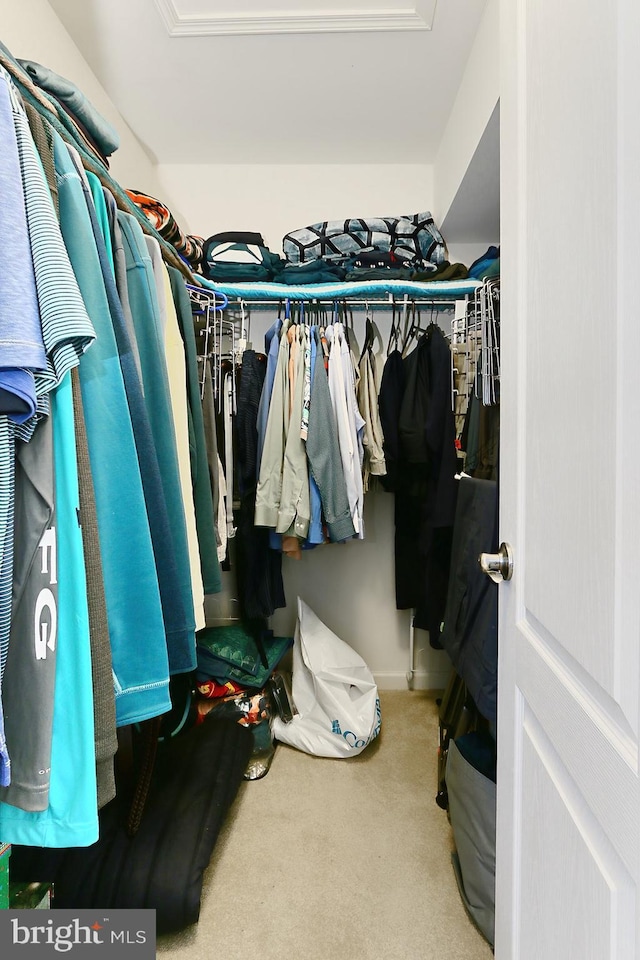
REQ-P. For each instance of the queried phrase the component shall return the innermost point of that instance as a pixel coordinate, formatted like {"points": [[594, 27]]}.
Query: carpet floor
{"points": [[338, 859]]}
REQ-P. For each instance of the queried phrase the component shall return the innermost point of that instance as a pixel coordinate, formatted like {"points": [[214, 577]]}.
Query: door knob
{"points": [[498, 566]]}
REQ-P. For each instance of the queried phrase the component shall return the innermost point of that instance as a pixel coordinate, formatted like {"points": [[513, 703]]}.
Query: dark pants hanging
{"points": [[260, 586]]}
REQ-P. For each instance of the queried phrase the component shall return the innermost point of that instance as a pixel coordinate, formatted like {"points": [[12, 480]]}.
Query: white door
{"points": [[568, 797]]}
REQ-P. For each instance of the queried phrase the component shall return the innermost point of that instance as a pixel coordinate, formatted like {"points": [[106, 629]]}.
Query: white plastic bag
{"points": [[334, 692]]}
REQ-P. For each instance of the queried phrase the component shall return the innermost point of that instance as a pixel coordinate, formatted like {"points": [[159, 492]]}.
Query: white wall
{"points": [[275, 199], [32, 31], [351, 588], [477, 97]]}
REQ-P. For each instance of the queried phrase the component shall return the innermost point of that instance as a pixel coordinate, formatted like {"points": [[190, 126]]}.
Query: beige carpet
{"points": [[338, 859]]}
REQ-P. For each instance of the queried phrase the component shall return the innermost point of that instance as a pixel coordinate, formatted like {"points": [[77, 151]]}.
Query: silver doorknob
{"points": [[498, 566]]}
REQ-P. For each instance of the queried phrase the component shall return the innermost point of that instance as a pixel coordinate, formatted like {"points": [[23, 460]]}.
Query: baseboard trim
{"points": [[422, 680]]}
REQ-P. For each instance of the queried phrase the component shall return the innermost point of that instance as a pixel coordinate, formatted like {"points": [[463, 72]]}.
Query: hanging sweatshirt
{"points": [[323, 451]]}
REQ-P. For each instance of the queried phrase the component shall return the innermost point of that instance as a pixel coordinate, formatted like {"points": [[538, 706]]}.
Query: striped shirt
{"points": [[20, 333], [66, 332], [66, 328]]}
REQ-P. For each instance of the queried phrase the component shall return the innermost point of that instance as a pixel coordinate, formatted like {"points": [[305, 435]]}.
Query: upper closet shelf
{"points": [[376, 289]]}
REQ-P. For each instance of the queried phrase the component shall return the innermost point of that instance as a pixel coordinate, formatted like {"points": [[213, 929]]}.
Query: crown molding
{"points": [[419, 16]]}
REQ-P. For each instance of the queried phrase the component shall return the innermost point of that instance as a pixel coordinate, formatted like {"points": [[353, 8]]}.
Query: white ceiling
{"points": [[310, 81]]}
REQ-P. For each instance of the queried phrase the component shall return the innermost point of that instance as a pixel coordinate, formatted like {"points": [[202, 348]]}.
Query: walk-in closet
{"points": [[318, 635]]}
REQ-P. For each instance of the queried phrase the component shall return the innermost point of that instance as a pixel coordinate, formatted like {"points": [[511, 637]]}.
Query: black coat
{"points": [[423, 441]]}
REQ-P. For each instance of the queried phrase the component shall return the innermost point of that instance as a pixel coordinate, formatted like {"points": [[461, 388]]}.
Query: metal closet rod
{"points": [[371, 302]]}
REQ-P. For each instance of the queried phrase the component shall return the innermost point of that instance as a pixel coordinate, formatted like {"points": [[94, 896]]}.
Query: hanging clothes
{"points": [[392, 387], [302, 483], [170, 542], [423, 440], [177, 378], [216, 473], [271, 342], [481, 439], [71, 815], [367, 395], [29, 680], [228, 393], [94, 541], [21, 346], [260, 587], [64, 333], [129, 566], [316, 534], [202, 495], [104, 704], [269, 490], [116, 250], [349, 422], [294, 510]]}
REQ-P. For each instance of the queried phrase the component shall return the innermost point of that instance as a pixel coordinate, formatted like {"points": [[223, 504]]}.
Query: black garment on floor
{"points": [[259, 568], [470, 634], [195, 781]]}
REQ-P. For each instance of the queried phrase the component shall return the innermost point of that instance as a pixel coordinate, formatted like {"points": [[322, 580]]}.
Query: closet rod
{"points": [[370, 302]]}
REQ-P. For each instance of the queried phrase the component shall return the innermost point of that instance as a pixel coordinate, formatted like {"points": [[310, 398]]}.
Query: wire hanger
{"points": [[369, 332], [408, 328], [394, 332]]}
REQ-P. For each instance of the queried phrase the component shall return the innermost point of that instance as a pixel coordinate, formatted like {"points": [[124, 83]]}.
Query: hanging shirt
{"points": [[351, 377], [7, 496], [66, 332], [120, 270], [271, 344], [158, 274], [104, 702], [316, 532], [202, 494], [20, 331], [374, 462], [177, 376], [323, 452], [166, 512], [66, 328], [340, 386], [228, 400], [211, 442], [269, 490], [29, 678], [306, 396], [21, 343], [141, 674], [294, 511], [71, 817], [392, 388]]}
